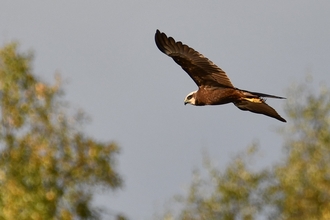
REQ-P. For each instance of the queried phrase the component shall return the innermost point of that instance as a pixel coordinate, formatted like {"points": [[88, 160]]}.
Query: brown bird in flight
{"points": [[214, 87]]}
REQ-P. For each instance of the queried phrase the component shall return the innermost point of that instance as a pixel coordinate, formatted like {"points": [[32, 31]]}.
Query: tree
{"points": [[235, 193], [298, 188], [302, 189], [48, 166]]}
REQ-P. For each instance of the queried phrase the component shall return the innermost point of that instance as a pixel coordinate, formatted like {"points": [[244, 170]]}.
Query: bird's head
{"points": [[190, 98]]}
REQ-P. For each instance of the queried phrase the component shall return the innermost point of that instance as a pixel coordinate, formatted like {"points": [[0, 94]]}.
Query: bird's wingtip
{"points": [[282, 120]]}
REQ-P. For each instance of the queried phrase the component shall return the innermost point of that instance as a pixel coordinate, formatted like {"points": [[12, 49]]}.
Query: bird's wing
{"points": [[203, 71], [258, 106], [258, 94]]}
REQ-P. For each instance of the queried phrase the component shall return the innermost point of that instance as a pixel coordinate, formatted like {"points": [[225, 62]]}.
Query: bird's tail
{"points": [[258, 107], [255, 102]]}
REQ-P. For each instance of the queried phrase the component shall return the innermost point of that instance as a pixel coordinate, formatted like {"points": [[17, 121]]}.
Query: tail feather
{"points": [[259, 108]]}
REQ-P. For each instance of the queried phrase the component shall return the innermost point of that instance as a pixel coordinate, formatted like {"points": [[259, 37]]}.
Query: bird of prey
{"points": [[214, 87]]}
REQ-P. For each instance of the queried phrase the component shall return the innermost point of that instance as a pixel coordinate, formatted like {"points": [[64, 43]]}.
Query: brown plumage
{"points": [[214, 87]]}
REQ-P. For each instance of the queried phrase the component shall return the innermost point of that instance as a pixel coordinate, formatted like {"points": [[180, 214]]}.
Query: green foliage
{"points": [[235, 193], [48, 167], [297, 188], [303, 188]]}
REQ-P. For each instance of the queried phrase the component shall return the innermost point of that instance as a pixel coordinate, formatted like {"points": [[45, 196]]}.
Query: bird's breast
{"points": [[217, 96]]}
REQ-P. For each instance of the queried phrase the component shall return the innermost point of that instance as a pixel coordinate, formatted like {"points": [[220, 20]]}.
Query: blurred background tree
{"points": [[48, 166], [302, 189], [296, 188]]}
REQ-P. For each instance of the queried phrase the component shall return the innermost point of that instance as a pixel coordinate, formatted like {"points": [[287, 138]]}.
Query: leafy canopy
{"points": [[48, 166]]}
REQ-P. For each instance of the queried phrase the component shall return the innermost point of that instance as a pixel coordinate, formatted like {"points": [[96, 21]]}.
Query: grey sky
{"points": [[134, 93]]}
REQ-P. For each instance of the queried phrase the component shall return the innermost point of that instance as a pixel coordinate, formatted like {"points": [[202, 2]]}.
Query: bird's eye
{"points": [[189, 97]]}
